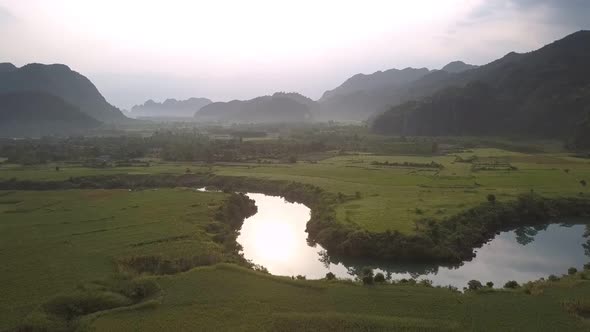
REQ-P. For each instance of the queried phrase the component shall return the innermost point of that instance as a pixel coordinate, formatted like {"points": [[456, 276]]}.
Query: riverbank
{"points": [[450, 240]]}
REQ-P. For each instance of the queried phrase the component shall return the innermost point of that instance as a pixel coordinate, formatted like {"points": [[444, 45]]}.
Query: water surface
{"points": [[275, 238]]}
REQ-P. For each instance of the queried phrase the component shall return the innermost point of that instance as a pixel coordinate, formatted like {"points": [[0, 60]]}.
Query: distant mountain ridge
{"points": [[170, 108], [362, 96], [39, 113], [60, 81], [280, 107], [543, 93], [457, 67]]}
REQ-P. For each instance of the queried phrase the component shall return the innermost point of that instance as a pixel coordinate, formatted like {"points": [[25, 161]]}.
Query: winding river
{"points": [[275, 238]]}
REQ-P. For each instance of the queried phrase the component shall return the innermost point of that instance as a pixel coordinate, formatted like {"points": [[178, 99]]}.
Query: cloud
{"points": [[566, 13], [6, 16]]}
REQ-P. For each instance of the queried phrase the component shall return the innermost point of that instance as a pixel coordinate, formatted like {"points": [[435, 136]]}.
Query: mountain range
{"points": [[62, 82], [543, 93], [280, 107], [39, 113], [170, 108], [362, 96]]}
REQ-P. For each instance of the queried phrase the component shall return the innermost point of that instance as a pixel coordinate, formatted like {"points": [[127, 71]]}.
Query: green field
{"points": [[391, 198], [55, 242], [50, 242]]}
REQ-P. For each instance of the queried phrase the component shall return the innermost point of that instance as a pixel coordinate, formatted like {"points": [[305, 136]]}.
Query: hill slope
{"points": [[280, 107], [170, 108], [544, 93], [362, 95], [37, 114], [60, 81]]}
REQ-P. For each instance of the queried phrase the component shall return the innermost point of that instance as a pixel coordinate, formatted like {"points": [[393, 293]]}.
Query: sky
{"points": [[134, 50]]}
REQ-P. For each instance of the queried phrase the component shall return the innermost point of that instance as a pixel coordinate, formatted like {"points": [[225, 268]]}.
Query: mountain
{"points": [[280, 107], [170, 108], [62, 82], [38, 114], [362, 95], [544, 93], [457, 67], [376, 81]]}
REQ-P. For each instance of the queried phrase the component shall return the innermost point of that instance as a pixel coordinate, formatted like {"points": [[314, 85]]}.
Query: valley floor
{"points": [[58, 242]]}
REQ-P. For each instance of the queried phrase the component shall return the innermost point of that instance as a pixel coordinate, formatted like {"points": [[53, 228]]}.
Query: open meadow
{"points": [[61, 241]]}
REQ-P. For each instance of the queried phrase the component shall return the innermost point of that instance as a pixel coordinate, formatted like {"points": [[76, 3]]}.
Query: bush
{"points": [[138, 289], [69, 307], [512, 284], [474, 285], [490, 284], [379, 277], [40, 321], [572, 271], [367, 280], [300, 277], [587, 266], [426, 282], [367, 271], [553, 277], [491, 198], [330, 276]]}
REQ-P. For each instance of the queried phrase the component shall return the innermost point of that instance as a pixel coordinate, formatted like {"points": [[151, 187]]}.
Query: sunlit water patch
{"points": [[275, 238]]}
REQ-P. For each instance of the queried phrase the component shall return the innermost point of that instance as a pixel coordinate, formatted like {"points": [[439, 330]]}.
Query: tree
{"points": [[491, 198], [572, 271], [330, 276], [511, 284], [379, 277], [367, 276], [490, 284], [474, 285]]}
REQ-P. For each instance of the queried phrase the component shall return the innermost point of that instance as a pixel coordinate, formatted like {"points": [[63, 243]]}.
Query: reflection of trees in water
{"points": [[355, 267], [526, 234], [587, 244]]}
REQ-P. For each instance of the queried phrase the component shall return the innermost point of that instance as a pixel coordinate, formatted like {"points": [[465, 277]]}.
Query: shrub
{"points": [[426, 282], [474, 285], [367, 271], [490, 284], [553, 277], [587, 266], [367, 280], [583, 183], [512, 284], [300, 277], [40, 321], [491, 198], [379, 277], [69, 307], [330, 276], [577, 307], [572, 271], [138, 289]]}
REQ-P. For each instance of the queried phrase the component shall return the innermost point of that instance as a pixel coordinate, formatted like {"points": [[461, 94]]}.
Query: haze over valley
{"points": [[294, 166]]}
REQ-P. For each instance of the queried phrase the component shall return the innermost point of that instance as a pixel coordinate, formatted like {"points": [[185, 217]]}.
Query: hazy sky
{"points": [[237, 49]]}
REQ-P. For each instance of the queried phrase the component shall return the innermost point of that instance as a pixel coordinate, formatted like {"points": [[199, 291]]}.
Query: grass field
{"points": [[228, 298], [50, 242], [391, 198]]}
